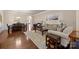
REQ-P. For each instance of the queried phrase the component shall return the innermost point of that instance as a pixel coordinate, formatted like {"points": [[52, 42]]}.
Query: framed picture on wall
{"points": [[52, 18]]}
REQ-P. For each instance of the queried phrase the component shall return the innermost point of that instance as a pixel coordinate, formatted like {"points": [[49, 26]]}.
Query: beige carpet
{"points": [[37, 39]]}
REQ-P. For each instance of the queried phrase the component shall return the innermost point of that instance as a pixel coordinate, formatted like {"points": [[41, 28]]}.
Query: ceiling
{"points": [[26, 12]]}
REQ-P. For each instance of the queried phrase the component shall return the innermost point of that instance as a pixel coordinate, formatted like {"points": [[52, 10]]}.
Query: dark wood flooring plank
{"points": [[17, 40]]}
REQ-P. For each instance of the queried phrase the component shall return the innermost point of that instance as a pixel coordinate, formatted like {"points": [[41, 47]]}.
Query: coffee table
{"points": [[40, 28]]}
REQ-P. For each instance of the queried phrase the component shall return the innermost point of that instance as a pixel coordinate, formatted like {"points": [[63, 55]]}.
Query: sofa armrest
{"points": [[61, 34]]}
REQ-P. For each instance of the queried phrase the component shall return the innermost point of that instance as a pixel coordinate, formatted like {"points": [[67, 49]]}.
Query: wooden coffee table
{"points": [[40, 28]]}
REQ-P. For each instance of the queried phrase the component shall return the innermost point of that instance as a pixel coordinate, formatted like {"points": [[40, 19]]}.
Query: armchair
{"points": [[65, 40]]}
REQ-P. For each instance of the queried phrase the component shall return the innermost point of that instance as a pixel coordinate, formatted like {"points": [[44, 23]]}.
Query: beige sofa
{"points": [[51, 26]]}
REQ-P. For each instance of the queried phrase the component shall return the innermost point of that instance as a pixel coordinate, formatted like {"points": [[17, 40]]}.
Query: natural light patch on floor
{"points": [[18, 41]]}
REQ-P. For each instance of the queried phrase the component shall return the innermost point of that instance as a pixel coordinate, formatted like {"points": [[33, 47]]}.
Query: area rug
{"points": [[37, 39]]}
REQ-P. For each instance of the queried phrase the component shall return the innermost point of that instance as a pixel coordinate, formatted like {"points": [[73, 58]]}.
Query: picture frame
{"points": [[52, 17]]}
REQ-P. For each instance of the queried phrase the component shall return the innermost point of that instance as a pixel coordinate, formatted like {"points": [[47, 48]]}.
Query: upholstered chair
{"points": [[65, 40]]}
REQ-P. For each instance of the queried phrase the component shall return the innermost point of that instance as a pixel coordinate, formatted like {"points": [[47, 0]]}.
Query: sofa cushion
{"points": [[52, 26]]}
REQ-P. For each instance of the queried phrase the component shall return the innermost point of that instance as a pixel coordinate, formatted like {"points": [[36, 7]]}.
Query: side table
{"points": [[52, 41], [74, 36]]}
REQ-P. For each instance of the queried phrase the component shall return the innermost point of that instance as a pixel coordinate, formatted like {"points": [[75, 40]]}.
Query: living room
{"points": [[21, 29]]}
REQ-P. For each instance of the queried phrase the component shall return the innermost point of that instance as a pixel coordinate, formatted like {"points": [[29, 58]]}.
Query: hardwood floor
{"points": [[16, 40]]}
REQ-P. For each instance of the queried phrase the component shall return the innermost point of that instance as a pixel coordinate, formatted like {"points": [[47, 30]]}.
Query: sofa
{"points": [[51, 26], [65, 39]]}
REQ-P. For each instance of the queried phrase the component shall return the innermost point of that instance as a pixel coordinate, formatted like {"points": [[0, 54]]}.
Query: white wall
{"points": [[10, 18], [69, 18], [43, 15], [0, 18], [2, 15], [77, 20], [66, 16]]}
